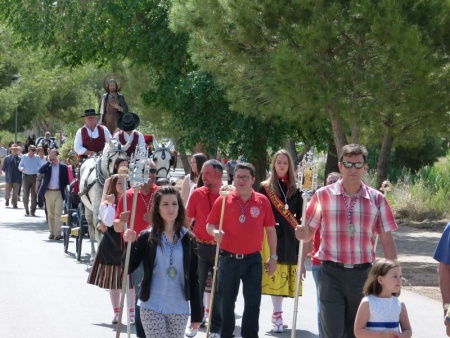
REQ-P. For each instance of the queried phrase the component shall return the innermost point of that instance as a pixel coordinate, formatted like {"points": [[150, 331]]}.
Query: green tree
{"points": [[375, 69], [182, 101]]}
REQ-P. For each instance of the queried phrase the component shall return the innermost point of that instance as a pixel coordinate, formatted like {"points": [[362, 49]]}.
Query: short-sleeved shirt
{"points": [[199, 206], [246, 237], [442, 253], [371, 216], [143, 203]]}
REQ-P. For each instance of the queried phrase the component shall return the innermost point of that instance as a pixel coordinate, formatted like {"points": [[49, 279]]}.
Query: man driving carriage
{"points": [[128, 136], [91, 138]]}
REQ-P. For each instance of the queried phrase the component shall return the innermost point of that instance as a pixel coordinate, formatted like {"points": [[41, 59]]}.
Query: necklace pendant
{"points": [[242, 218], [286, 207], [146, 217], [171, 272], [350, 230]]}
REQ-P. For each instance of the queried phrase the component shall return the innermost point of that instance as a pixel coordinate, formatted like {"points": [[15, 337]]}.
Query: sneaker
{"points": [[132, 319], [7, 203], [15, 206], [58, 237], [275, 316], [115, 318], [51, 237], [189, 332], [214, 335]]}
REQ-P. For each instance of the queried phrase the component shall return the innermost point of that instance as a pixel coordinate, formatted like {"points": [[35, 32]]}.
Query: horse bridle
{"points": [[163, 157], [111, 153]]}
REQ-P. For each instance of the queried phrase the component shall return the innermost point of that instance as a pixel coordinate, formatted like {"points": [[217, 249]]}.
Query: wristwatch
{"points": [[274, 257]]}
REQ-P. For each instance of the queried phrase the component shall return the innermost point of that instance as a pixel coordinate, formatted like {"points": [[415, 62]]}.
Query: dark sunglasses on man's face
{"points": [[357, 165], [152, 171], [33, 149]]}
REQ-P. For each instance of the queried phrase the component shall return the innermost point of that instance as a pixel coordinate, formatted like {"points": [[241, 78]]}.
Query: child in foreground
{"points": [[381, 313]]}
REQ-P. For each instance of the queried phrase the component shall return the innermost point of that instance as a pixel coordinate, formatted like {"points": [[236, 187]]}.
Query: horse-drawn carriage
{"points": [[84, 195], [75, 224]]}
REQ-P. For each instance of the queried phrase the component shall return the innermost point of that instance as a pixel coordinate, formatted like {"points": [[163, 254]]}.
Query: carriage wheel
{"points": [[79, 238], [66, 236], [67, 210]]}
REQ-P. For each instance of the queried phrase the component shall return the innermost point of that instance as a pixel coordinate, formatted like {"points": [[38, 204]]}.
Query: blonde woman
{"points": [[286, 201]]}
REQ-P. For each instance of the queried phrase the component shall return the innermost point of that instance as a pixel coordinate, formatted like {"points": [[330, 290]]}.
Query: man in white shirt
{"points": [[128, 135], [91, 138]]}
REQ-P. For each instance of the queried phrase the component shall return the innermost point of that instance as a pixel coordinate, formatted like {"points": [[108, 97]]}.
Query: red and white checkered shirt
{"points": [[371, 215]]}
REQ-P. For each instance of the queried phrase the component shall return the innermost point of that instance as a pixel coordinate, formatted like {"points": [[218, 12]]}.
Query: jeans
{"points": [[207, 254], [137, 276], [315, 271], [340, 293], [231, 272]]}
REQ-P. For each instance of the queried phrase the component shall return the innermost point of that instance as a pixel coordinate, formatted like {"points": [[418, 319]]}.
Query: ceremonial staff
{"points": [[139, 174], [307, 183], [224, 192], [386, 186]]}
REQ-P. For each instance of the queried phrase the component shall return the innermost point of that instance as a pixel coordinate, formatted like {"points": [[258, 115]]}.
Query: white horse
{"points": [[163, 157], [93, 173]]}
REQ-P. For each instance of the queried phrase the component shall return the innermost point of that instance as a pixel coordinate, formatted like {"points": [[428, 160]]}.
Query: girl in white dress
{"points": [[381, 313]]}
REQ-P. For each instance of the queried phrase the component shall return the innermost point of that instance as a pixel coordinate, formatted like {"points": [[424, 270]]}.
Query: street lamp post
{"points": [[15, 79]]}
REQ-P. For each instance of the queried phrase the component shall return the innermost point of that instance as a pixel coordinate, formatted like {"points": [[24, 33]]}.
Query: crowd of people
{"points": [[177, 235]]}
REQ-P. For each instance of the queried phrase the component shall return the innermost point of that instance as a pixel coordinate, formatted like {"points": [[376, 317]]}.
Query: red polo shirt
{"points": [[246, 237], [143, 202], [199, 207]]}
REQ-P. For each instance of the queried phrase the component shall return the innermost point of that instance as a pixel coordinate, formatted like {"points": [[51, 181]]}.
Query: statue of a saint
{"points": [[112, 104]]}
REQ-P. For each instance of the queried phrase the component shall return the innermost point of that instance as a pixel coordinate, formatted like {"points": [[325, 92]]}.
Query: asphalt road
{"points": [[44, 293]]}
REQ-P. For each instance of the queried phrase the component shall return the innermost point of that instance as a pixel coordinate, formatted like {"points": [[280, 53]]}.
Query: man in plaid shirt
{"points": [[350, 215]]}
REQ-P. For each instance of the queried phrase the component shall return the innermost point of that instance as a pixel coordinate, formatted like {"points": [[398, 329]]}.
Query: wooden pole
{"points": [[127, 262], [299, 268], [224, 193]]}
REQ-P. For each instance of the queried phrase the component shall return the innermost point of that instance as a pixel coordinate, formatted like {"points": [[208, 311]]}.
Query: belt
{"points": [[211, 242], [224, 253], [348, 266], [30, 175], [52, 189]]}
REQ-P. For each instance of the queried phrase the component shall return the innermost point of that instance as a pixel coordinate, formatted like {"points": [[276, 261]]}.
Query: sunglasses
{"points": [[33, 149], [152, 171], [357, 165]]}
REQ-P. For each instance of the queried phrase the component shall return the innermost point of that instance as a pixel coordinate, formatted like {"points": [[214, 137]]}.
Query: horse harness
{"points": [[163, 157], [100, 178]]}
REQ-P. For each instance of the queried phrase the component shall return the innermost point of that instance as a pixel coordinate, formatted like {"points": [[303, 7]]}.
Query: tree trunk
{"points": [[185, 162], [356, 126], [289, 145], [260, 163], [332, 160], [383, 159], [338, 134]]}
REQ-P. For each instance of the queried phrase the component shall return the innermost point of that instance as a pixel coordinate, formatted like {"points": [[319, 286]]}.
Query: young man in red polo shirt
{"points": [[141, 222], [247, 214], [199, 206]]}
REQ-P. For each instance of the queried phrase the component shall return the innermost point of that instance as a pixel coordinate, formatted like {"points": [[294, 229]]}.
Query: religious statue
{"points": [[112, 104]]}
